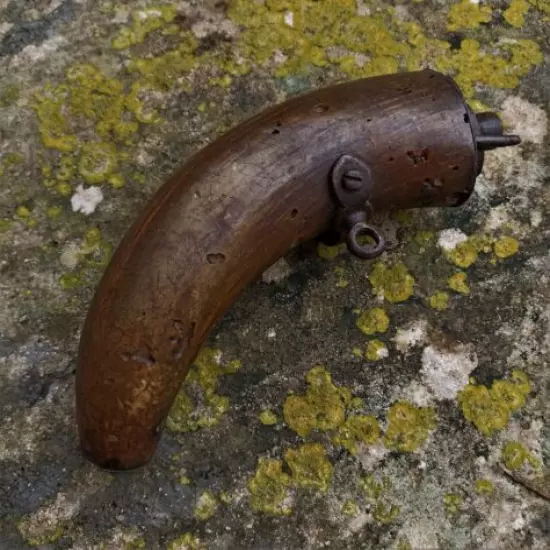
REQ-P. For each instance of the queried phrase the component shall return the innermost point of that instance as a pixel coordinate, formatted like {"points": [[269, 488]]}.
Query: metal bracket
{"points": [[352, 185]]}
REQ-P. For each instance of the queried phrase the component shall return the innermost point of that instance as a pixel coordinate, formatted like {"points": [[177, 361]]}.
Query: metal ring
{"points": [[365, 252]]}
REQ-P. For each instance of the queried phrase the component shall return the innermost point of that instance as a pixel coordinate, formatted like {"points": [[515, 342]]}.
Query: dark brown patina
{"points": [[316, 164]]}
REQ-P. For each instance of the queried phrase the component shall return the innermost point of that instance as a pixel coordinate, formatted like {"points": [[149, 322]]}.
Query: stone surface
{"points": [[402, 448]]}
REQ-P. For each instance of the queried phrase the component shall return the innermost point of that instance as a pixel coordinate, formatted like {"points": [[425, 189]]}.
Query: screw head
{"points": [[352, 180]]}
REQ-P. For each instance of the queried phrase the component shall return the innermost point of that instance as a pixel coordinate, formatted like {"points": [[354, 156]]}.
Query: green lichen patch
{"points": [[97, 162], [187, 541], [376, 350], [468, 15], [198, 405], [373, 321], [505, 247], [463, 255], [44, 537], [144, 22], [459, 283], [373, 488], [386, 513], [90, 118], [310, 467], [484, 487], [453, 503], [471, 64], [515, 455], [516, 12], [206, 507], [489, 410], [342, 281], [350, 508], [541, 5], [184, 480], [269, 488], [268, 418], [323, 407], [408, 426], [165, 70], [9, 160], [357, 430], [5, 225], [393, 282], [329, 252], [424, 238], [9, 95], [93, 253], [377, 493], [439, 300], [403, 544], [482, 242]]}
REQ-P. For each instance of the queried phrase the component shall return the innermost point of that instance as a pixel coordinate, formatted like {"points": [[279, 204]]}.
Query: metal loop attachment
{"points": [[366, 252], [352, 186]]}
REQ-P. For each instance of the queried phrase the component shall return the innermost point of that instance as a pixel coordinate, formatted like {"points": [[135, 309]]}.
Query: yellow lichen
{"points": [[376, 492], [424, 238], [187, 541], [206, 507], [97, 162], [269, 488], [5, 225], [506, 247], [484, 487], [515, 454], [471, 65], [116, 180], [342, 281], [357, 429], [268, 418], [372, 321], [190, 414], [184, 480], [376, 350], [321, 408], [9, 95], [385, 513], [458, 283], [55, 130], [372, 488], [68, 281], [452, 503], [468, 15], [489, 409], [64, 189], [310, 467], [483, 243], [515, 14], [350, 508], [46, 536], [439, 300], [167, 69], [463, 255], [144, 22], [542, 5], [394, 282], [408, 426], [318, 26], [403, 544], [328, 252], [22, 212]]}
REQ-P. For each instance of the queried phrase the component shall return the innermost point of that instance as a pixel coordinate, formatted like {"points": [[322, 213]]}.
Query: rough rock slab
{"points": [[428, 425]]}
